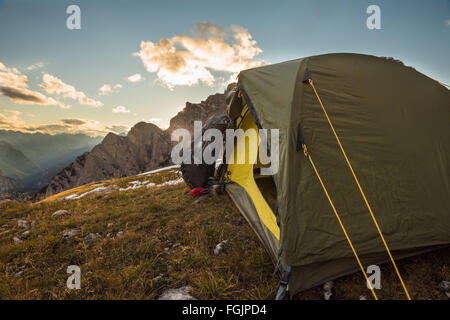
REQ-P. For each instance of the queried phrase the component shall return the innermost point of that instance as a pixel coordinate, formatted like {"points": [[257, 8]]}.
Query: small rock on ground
{"points": [[23, 224], [17, 240], [177, 294], [18, 274], [446, 286], [219, 247], [60, 213], [91, 237], [158, 277], [327, 290], [67, 234]]}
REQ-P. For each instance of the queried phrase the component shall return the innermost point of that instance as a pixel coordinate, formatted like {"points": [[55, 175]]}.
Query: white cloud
{"points": [[106, 89], [186, 61], [11, 77], [54, 85], [135, 78], [120, 109], [10, 119], [155, 120], [36, 65]]}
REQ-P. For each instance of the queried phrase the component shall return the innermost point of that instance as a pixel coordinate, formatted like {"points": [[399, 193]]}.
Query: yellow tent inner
{"points": [[242, 173]]}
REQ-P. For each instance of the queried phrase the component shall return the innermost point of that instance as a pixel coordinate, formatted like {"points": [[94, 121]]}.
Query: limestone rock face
{"points": [[214, 105], [146, 147]]}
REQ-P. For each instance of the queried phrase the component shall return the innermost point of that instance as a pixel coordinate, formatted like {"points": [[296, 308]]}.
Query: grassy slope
{"points": [[165, 232]]}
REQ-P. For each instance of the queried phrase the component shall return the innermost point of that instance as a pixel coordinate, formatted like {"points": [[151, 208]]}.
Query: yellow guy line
{"points": [[340, 222], [361, 190]]}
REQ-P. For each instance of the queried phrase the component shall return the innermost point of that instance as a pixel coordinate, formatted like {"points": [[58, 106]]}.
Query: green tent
{"points": [[392, 123]]}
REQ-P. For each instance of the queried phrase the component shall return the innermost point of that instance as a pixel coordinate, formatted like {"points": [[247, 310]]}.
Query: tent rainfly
{"points": [[364, 148]]}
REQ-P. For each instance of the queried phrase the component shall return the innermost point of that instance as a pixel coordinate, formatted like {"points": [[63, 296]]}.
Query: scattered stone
{"points": [[158, 277], [446, 286], [219, 247], [18, 274], [67, 234], [60, 213], [26, 233], [119, 234], [109, 235], [327, 288], [177, 294], [23, 224], [91, 237], [362, 298], [110, 225], [166, 250], [17, 240]]}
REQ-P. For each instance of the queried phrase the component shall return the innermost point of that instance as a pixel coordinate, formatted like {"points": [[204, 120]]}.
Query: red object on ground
{"points": [[197, 191]]}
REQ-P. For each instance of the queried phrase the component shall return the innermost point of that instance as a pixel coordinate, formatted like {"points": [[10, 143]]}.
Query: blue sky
{"points": [[416, 32]]}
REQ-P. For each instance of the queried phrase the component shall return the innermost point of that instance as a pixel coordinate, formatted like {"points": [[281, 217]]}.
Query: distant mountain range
{"points": [[29, 161]]}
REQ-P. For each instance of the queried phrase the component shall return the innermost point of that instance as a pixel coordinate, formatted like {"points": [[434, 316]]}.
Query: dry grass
{"points": [[164, 233]]}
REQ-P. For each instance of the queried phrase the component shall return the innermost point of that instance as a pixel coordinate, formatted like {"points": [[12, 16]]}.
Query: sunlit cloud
{"points": [[155, 120], [186, 61], [10, 119], [120, 109], [36, 65], [106, 89], [11, 77], [54, 85], [135, 78]]}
